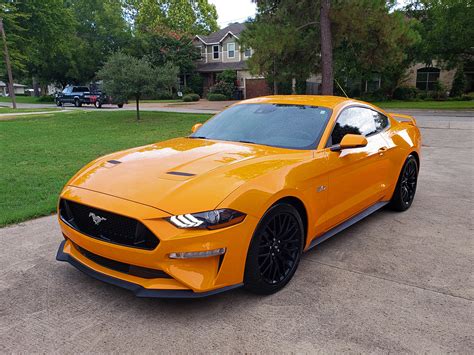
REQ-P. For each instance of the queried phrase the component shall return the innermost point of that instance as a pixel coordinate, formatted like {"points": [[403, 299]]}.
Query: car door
{"points": [[357, 176], [66, 95]]}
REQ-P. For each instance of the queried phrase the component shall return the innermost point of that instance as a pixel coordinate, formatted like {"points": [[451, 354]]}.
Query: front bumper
{"points": [[138, 290], [187, 277]]}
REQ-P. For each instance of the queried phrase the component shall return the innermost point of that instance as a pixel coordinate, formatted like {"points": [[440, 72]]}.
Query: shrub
{"points": [[194, 97], [216, 97], [223, 88], [191, 97], [405, 93], [459, 84], [439, 92], [228, 75]]}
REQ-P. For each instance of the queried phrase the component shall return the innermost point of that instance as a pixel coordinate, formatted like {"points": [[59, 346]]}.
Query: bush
{"points": [[223, 88], [439, 92], [228, 75], [405, 93], [216, 97], [459, 84], [191, 97]]}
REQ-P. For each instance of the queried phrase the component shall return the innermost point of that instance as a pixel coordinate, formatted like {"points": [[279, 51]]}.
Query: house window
{"points": [[215, 52], [199, 48], [248, 53], [230, 50], [426, 78]]}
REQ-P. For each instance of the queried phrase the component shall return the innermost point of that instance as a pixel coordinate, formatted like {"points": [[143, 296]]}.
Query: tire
{"points": [[77, 103], [98, 104], [275, 250], [405, 190], [120, 105], [58, 103]]}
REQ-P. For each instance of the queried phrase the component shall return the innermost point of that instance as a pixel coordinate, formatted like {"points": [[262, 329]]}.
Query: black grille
{"points": [[107, 226], [134, 270]]}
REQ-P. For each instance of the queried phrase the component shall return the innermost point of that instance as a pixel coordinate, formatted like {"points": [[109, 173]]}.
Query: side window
{"points": [[381, 121], [358, 120]]}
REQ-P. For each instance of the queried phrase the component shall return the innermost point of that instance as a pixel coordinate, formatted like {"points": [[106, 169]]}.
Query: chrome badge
{"points": [[96, 219]]}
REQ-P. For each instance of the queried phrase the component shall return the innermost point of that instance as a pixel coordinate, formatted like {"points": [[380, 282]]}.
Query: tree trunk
{"points": [[327, 87], [11, 87], [293, 86], [36, 88], [138, 107]]}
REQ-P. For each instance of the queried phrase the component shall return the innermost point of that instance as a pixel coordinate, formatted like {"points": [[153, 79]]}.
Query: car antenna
{"points": [[340, 87]]}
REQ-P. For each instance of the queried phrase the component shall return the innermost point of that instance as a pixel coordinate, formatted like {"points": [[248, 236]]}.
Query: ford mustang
{"points": [[237, 202]]}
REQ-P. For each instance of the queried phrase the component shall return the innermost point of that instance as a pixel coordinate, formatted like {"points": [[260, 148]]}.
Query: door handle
{"points": [[382, 150]]}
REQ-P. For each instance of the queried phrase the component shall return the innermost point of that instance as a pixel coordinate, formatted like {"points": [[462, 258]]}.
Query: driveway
{"points": [[394, 282]]}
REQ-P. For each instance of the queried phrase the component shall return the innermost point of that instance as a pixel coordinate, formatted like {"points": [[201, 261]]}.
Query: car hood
{"points": [[182, 175]]}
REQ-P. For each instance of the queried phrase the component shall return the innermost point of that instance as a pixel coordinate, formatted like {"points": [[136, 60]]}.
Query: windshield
{"points": [[285, 126]]}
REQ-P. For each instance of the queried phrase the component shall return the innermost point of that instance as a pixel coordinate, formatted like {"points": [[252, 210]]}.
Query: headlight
{"points": [[208, 220]]}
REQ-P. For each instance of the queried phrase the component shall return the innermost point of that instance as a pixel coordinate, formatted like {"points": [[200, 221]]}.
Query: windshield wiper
{"points": [[197, 137]]}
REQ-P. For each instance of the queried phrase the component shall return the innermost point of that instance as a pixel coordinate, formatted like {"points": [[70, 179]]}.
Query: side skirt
{"points": [[347, 224]]}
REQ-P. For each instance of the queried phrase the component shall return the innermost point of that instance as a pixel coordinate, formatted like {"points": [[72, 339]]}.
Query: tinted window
{"points": [[358, 120], [80, 89], [286, 126]]}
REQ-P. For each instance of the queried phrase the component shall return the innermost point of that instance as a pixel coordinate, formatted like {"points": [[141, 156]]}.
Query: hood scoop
{"points": [[180, 173]]}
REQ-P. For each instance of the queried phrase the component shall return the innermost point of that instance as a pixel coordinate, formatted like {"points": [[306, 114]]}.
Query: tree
{"points": [[165, 46], [327, 85], [125, 77], [361, 37], [184, 16], [446, 29], [285, 40]]}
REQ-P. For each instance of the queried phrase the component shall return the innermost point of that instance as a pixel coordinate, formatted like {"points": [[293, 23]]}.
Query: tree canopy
{"points": [[368, 36]]}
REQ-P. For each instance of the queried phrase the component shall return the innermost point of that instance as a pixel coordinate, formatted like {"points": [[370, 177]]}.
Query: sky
{"points": [[239, 10], [233, 10]]}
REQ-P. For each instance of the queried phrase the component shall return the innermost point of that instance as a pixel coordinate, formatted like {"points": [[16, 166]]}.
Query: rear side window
{"points": [[358, 120], [80, 89]]}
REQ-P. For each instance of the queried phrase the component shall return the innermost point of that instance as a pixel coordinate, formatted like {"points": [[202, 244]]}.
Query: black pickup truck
{"points": [[82, 95]]}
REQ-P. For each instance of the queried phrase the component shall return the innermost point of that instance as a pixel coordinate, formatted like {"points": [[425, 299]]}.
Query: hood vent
{"points": [[179, 173]]}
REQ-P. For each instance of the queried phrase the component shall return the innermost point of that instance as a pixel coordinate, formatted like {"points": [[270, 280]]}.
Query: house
{"points": [[19, 89], [220, 51]]}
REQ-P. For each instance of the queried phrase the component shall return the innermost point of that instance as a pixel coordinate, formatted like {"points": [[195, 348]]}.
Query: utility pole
{"points": [[9, 67]]}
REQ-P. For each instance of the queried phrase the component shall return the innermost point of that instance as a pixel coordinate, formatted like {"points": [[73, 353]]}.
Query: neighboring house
{"points": [[19, 89], [220, 51]]}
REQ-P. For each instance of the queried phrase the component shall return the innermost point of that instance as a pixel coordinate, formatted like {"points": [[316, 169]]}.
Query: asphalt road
{"points": [[395, 282]]}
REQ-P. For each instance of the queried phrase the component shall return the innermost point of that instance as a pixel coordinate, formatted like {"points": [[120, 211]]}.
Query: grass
{"points": [[433, 105], [20, 110], [39, 154], [25, 100]]}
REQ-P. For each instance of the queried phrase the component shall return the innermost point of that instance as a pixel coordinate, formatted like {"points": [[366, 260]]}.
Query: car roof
{"points": [[312, 100]]}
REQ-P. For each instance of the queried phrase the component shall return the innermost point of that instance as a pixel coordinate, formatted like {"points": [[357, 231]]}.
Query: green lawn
{"points": [[20, 110], [25, 100], [434, 105], [39, 154]]}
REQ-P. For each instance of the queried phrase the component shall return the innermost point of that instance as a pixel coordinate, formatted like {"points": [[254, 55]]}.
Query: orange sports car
{"points": [[238, 201]]}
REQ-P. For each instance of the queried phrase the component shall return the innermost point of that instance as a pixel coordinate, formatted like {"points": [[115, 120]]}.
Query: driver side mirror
{"points": [[196, 127], [350, 141]]}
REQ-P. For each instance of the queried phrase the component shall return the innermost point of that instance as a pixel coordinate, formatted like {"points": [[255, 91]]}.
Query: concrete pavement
{"points": [[394, 282]]}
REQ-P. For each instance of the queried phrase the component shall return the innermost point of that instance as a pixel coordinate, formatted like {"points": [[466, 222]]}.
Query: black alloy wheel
{"points": [[77, 103], [275, 250], [406, 186]]}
